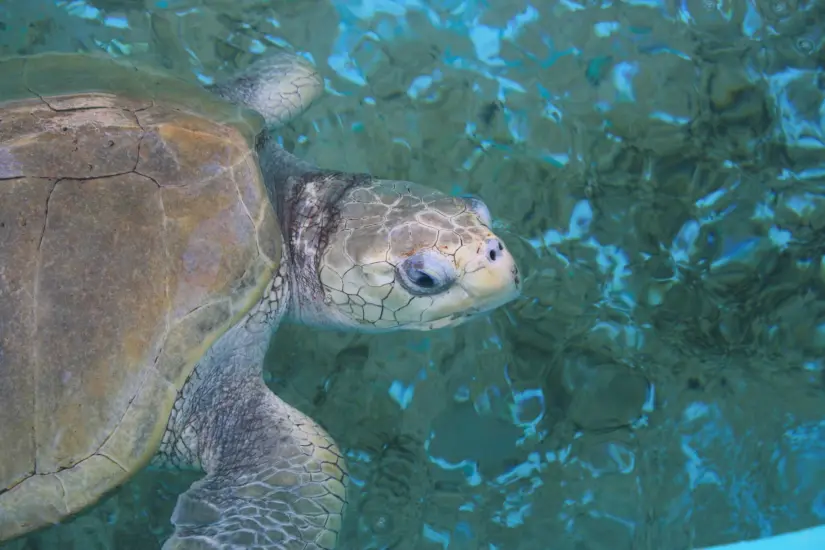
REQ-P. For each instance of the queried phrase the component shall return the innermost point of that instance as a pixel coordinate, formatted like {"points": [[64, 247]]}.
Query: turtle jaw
{"points": [[487, 280]]}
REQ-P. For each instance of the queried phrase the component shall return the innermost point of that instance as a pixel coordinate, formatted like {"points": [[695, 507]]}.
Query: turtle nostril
{"points": [[494, 249]]}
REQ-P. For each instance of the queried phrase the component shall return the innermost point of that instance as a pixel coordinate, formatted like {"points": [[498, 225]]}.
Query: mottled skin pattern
{"points": [[353, 252], [276, 480]]}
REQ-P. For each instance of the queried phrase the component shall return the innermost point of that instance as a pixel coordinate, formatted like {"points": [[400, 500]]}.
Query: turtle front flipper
{"points": [[274, 477], [279, 87]]}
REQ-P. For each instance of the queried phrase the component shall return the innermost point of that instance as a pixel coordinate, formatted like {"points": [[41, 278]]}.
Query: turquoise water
{"points": [[658, 168]]}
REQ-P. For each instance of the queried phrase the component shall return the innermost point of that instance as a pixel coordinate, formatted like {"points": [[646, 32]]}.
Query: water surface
{"points": [[658, 168]]}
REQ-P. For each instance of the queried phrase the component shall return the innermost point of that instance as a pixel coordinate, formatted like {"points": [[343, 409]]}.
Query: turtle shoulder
{"points": [[135, 229]]}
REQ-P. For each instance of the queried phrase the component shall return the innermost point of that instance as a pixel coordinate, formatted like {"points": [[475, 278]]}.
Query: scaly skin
{"points": [[274, 477], [362, 254]]}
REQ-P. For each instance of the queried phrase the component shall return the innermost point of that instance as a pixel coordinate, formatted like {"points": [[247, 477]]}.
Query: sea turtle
{"points": [[143, 271]]}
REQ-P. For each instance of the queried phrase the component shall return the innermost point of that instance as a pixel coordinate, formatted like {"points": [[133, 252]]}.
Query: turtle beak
{"points": [[491, 277]]}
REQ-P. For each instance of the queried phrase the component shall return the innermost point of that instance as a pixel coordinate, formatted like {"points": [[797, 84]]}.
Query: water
{"points": [[657, 166]]}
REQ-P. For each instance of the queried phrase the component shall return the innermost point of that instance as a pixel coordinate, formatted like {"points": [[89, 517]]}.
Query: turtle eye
{"points": [[421, 278], [426, 273]]}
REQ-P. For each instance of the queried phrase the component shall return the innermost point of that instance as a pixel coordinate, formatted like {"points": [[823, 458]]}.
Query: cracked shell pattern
{"points": [[133, 233]]}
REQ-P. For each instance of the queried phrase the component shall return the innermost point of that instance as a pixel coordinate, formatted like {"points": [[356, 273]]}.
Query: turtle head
{"points": [[402, 256]]}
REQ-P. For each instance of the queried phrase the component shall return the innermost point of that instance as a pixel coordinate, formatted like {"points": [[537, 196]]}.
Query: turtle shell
{"points": [[135, 229]]}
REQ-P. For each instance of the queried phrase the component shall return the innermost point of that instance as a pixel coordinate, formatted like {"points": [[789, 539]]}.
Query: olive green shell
{"points": [[135, 229]]}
